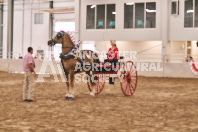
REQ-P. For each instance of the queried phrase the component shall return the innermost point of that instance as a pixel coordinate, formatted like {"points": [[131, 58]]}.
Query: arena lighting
{"points": [[93, 6], [130, 3], [147, 10], [114, 13], [190, 11]]}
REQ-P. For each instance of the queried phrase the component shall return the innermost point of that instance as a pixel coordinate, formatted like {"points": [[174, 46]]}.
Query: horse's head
{"points": [[57, 39]]}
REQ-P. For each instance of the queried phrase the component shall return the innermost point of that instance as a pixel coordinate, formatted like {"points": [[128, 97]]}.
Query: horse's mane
{"points": [[69, 38]]}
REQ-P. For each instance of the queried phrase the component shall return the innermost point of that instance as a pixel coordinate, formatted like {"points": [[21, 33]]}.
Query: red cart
{"points": [[126, 73]]}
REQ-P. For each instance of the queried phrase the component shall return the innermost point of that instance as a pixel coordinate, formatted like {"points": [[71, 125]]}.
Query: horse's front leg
{"points": [[67, 85], [70, 95]]}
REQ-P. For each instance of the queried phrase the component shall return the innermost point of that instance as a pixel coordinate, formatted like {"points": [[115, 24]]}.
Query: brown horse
{"points": [[69, 64]]}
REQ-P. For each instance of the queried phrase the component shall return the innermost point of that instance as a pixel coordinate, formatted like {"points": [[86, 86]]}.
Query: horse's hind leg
{"points": [[92, 93], [92, 84]]}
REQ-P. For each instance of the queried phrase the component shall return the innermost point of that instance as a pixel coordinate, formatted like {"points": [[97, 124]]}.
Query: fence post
{"points": [[164, 60], [8, 62]]}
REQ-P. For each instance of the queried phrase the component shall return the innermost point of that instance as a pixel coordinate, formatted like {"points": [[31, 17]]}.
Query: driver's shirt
{"points": [[114, 54]]}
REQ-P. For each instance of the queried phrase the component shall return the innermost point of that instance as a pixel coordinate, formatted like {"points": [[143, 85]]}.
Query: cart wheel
{"points": [[100, 83], [129, 78]]}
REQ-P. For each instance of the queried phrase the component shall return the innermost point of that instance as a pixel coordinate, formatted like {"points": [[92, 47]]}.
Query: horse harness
{"points": [[72, 53]]}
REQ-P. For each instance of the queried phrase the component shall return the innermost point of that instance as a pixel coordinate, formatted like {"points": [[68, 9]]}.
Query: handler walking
{"points": [[28, 67]]}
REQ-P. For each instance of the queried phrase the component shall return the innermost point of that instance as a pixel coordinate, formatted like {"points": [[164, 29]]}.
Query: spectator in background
{"points": [[36, 57], [189, 59], [43, 57], [20, 56], [28, 67], [52, 57]]}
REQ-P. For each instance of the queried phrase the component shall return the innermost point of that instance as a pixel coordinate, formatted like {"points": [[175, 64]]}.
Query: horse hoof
{"points": [[66, 98], [69, 98]]}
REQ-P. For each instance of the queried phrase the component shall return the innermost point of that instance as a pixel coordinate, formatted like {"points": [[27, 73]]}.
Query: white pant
{"points": [[28, 88]]}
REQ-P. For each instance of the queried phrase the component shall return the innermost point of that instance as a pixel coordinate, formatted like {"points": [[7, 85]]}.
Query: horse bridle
{"points": [[59, 36]]}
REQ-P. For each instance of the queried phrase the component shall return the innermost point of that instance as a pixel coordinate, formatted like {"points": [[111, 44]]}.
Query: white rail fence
{"points": [[173, 66]]}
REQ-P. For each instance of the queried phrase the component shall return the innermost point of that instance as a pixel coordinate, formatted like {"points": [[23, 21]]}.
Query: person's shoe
{"points": [[25, 100]]}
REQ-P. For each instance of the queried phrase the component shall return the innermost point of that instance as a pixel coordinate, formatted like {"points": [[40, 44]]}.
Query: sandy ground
{"points": [[159, 104]]}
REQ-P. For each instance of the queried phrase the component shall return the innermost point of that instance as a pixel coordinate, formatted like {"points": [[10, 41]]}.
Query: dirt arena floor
{"points": [[159, 105]]}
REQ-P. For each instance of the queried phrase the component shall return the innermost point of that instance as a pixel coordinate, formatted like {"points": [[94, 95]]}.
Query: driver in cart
{"points": [[112, 55], [112, 58]]}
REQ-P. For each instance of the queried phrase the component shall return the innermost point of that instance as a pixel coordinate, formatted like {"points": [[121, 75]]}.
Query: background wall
{"points": [[177, 51], [176, 27], [26, 33], [119, 33], [146, 50], [194, 48]]}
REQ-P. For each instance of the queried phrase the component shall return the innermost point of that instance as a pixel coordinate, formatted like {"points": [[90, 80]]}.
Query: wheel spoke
{"points": [[126, 89], [133, 78], [133, 85], [124, 81], [130, 89], [98, 89], [131, 68], [132, 74], [133, 82], [98, 85]]}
